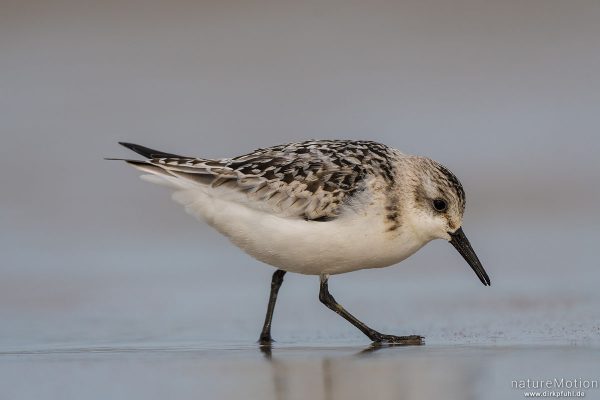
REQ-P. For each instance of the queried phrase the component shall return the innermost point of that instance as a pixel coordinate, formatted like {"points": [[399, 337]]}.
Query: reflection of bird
{"points": [[321, 207]]}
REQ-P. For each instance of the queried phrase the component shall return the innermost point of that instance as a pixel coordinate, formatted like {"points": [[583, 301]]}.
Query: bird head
{"points": [[437, 203]]}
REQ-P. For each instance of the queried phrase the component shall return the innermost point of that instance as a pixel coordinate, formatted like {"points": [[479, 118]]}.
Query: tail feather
{"points": [[149, 168], [167, 175], [158, 175]]}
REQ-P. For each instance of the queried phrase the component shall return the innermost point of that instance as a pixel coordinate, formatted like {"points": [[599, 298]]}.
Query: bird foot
{"points": [[265, 340], [412, 340]]}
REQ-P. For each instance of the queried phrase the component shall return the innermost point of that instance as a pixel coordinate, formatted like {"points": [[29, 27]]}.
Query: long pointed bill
{"points": [[461, 243]]}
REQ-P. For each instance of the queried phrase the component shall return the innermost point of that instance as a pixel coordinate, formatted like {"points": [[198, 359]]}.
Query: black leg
{"points": [[327, 299], [276, 281]]}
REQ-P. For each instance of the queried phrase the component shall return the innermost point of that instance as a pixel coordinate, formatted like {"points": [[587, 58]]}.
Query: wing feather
{"points": [[311, 180]]}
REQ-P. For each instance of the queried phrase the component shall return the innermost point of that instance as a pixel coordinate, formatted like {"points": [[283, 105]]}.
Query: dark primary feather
{"points": [[310, 180], [147, 152]]}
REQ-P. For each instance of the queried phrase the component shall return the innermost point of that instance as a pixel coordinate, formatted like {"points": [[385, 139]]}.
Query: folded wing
{"points": [[297, 181]]}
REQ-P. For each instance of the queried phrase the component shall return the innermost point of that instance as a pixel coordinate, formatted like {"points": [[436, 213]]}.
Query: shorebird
{"points": [[320, 207]]}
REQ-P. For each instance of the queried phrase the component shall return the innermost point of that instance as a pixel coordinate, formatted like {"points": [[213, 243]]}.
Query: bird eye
{"points": [[440, 205]]}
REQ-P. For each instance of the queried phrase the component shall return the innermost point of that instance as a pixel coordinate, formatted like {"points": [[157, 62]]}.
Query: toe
{"points": [[412, 340]]}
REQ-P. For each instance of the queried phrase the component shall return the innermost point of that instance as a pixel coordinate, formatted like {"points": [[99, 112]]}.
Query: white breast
{"points": [[351, 242]]}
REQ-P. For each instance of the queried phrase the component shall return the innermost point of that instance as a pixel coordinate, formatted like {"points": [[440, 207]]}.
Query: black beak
{"points": [[461, 243]]}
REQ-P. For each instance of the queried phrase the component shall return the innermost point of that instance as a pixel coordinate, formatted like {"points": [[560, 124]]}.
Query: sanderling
{"points": [[320, 207]]}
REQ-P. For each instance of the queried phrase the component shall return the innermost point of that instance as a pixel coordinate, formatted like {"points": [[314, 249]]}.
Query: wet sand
{"points": [[140, 322], [290, 372]]}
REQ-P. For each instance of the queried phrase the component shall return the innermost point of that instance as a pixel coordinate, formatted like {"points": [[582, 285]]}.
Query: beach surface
{"points": [[143, 322]]}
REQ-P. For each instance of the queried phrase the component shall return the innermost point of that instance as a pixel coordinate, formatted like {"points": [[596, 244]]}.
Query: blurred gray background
{"points": [[505, 93]]}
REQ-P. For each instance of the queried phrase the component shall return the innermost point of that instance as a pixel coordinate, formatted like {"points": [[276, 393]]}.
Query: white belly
{"points": [[349, 243]]}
